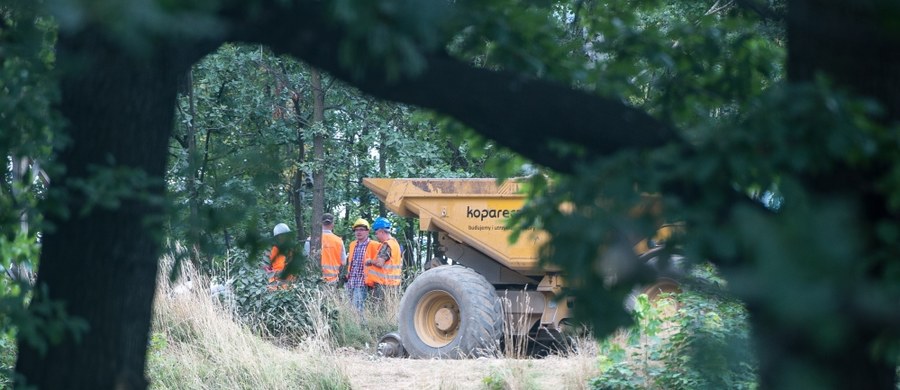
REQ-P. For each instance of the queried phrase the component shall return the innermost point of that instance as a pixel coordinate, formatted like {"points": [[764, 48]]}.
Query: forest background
{"points": [[769, 128]]}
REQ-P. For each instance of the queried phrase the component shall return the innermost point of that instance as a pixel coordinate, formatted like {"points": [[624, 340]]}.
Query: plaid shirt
{"points": [[357, 277]]}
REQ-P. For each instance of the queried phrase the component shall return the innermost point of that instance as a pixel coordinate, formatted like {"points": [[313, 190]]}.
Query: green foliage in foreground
{"points": [[705, 346], [308, 307]]}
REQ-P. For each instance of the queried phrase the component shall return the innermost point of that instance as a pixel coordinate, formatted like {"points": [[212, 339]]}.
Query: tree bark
{"points": [[298, 179], [382, 165], [318, 201], [192, 177], [362, 153], [101, 262], [848, 42], [411, 252]]}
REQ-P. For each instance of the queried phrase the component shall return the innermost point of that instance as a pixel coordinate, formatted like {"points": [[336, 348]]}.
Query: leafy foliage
{"points": [[705, 346], [815, 223], [280, 312], [252, 115], [29, 137]]}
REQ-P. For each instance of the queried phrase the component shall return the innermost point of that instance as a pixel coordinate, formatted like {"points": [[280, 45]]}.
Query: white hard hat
{"points": [[280, 229]]}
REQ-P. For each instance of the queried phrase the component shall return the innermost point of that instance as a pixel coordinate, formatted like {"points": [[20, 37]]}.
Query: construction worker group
{"points": [[372, 267]]}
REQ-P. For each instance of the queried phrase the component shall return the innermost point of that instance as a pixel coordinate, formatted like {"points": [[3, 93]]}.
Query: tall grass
{"points": [[200, 343], [196, 344], [517, 315], [335, 323], [582, 357], [512, 375]]}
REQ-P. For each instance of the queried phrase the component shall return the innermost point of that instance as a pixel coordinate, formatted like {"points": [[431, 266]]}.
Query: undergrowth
{"points": [[704, 346], [198, 344]]}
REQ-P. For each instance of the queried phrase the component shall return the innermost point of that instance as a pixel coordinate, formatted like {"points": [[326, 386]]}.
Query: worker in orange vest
{"points": [[333, 254], [385, 271], [281, 254], [361, 250]]}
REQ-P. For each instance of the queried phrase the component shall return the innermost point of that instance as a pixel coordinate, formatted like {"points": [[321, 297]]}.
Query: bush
{"points": [[706, 346], [8, 355], [711, 350], [308, 308], [282, 314]]}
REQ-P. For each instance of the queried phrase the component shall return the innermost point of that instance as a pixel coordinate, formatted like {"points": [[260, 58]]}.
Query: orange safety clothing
{"points": [[371, 252], [391, 273], [277, 262], [332, 251]]}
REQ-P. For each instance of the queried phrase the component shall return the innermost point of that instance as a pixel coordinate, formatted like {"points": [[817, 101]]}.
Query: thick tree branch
{"points": [[554, 126], [762, 10]]}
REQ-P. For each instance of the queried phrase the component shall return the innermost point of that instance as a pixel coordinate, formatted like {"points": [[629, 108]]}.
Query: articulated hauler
{"points": [[496, 290]]}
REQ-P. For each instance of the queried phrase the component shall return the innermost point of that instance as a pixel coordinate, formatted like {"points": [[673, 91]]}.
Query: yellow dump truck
{"points": [[493, 291]]}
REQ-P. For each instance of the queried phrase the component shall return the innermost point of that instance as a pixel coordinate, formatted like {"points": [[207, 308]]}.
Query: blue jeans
{"points": [[358, 297]]}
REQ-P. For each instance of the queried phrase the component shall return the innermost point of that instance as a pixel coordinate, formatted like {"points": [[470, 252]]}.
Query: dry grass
{"points": [[582, 363], [196, 345], [516, 321], [512, 374]]}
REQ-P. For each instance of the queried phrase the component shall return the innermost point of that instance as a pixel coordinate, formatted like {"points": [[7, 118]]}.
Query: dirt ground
{"points": [[372, 372]]}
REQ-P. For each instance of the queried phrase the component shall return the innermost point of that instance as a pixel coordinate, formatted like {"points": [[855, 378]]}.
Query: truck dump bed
{"points": [[469, 211]]}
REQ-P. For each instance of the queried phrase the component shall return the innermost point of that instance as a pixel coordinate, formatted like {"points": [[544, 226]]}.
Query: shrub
{"points": [[282, 313], [8, 355], [706, 346], [711, 350], [310, 309]]}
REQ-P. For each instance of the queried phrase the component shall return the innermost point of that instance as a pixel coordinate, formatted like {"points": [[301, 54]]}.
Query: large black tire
{"points": [[666, 282], [450, 312]]}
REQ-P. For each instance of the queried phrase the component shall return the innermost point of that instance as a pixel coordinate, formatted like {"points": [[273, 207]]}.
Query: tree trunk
{"points": [[192, 179], [318, 201], [298, 178], [99, 261], [788, 356], [411, 254], [428, 254], [362, 153], [382, 167], [19, 167], [847, 41]]}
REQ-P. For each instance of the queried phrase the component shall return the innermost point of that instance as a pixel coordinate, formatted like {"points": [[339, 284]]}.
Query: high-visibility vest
{"points": [[391, 273], [277, 262], [371, 251], [332, 248]]}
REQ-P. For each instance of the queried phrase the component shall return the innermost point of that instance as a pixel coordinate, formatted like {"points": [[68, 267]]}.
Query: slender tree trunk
{"points": [[382, 166], [428, 252], [298, 178], [318, 201], [101, 262], [192, 177], [227, 239], [19, 166], [411, 256], [362, 153]]}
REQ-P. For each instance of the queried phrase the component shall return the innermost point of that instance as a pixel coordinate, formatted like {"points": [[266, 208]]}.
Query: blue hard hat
{"points": [[381, 223]]}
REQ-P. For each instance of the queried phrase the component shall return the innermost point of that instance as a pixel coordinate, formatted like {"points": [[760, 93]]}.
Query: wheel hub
{"points": [[445, 319], [437, 318]]}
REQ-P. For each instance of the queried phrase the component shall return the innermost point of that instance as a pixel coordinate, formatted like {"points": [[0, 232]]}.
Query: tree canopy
{"points": [[768, 129]]}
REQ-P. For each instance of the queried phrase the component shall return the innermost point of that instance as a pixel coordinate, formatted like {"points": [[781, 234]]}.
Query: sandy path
{"points": [[371, 372]]}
